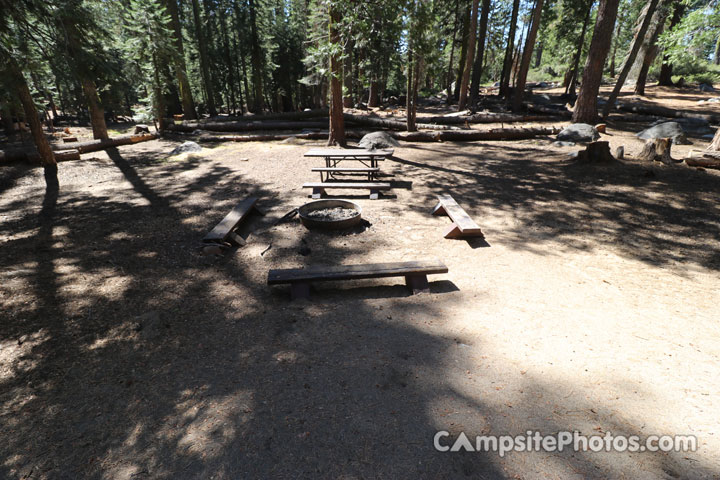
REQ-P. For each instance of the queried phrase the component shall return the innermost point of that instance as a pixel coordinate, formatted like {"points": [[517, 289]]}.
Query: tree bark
{"points": [[658, 150], [507, 62], [480, 55], [716, 56], [470, 56], [97, 114], [576, 61], [665, 77], [463, 54], [255, 60], [586, 104], [204, 59], [449, 78], [409, 104], [188, 104], [527, 57], [627, 65], [715, 144], [649, 49], [337, 123]]}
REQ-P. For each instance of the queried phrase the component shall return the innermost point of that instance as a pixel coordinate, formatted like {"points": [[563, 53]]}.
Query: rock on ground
{"points": [[141, 128], [671, 130], [578, 132], [376, 140], [186, 147]]}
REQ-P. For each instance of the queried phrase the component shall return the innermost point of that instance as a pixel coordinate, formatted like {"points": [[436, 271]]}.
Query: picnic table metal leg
{"points": [[299, 290], [417, 283]]}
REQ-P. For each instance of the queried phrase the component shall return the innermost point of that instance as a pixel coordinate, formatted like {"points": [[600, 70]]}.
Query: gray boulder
{"points": [[671, 130], [704, 87], [378, 140], [186, 147], [578, 132]]}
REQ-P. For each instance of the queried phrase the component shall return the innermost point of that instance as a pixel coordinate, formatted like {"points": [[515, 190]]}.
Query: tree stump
{"points": [[715, 144], [596, 152], [658, 150]]}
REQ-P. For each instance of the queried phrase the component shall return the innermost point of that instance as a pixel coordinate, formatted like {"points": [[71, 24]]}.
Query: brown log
{"points": [[596, 152], [666, 112], [97, 145], [703, 159], [391, 123], [488, 118], [658, 150], [475, 135], [32, 156], [243, 126]]}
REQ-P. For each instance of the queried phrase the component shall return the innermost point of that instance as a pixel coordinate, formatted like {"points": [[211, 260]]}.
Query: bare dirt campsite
{"points": [[347, 240], [589, 305]]}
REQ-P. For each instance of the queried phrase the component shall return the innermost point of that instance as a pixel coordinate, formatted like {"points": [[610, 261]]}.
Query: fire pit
{"points": [[330, 214]]}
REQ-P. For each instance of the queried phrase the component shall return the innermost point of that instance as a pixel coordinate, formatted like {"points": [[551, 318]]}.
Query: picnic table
{"points": [[333, 156]]}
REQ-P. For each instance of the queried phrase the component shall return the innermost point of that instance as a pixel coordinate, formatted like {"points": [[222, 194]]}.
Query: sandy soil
{"points": [[590, 305]]}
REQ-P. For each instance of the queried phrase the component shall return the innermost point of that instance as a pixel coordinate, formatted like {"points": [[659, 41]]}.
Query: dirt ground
{"points": [[591, 305]]}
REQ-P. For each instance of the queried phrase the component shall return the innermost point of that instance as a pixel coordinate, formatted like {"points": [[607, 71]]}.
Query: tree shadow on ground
{"points": [[128, 355], [645, 211]]}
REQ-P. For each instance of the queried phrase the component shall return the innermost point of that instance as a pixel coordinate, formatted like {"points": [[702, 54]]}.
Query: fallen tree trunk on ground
{"points": [[97, 145], [475, 135], [488, 117], [705, 159], [715, 144], [72, 151], [317, 113], [666, 112], [392, 124], [267, 138], [31, 155], [244, 126]]}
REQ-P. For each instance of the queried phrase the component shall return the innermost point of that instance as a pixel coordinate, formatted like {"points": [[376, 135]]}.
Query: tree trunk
{"points": [[463, 54], [97, 114], [373, 96], [527, 56], [627, 65], [665, 77], [649, 49], [180, 68], [229, 64], [479, 57], [716, 56], [255, 60], [586, 104], [470, 56], [658, 150], [449, 78], [7, 120], [576, 61], [409, 104], [337, 123], [348, 101], [204, 59], [507, 62]]}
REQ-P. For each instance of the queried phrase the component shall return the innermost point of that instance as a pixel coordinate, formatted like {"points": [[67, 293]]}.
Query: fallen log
{"points": [[487, 117], [666, 112], [316, 113], [548, 110], [704, 159], [32, 156], [391, 123], [244, 126], [475, 135], [97, 145]]}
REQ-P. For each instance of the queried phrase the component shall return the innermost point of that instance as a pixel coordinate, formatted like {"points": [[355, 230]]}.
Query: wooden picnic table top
{"points": [[346, 153]]}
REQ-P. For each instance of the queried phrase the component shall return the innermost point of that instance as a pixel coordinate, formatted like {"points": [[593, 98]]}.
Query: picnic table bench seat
{"points": [[415, 274], [318, 188], [331, 171], [463, 226], [224, 232]]}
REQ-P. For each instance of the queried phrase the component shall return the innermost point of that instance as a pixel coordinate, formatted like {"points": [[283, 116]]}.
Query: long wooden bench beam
{"points": [[415, 274], [374, 187], [463, 225], [224, 231]]}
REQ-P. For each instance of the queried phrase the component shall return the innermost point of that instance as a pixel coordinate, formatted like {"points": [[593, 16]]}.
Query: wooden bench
{"points": [[375, 187], [331, 171], [415, 274], [224, 231], [463, 226]]}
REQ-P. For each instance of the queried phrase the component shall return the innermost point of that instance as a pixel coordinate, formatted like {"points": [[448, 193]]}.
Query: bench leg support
{"points": [[236, 239], [299, 290], [374, 194], [439, 210], [453, 231], [417, 283], [318, 192]]}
